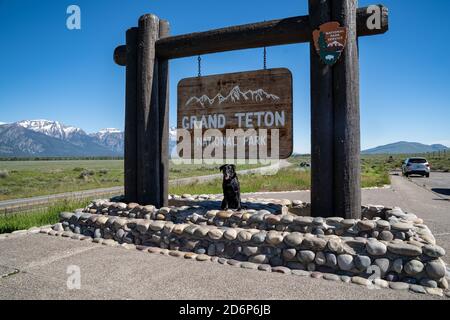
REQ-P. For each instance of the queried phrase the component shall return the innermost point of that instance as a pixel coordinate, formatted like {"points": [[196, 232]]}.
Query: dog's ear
{"points": [[222, 167]]}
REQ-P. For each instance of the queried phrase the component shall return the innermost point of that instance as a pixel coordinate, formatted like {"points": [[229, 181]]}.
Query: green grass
{"points": [[34, 178], [193, 170], [285, 180], [22, 179], [288, 179], [38, 217]]}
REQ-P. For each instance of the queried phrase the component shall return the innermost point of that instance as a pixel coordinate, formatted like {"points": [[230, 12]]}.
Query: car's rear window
{"points": [[417, 161]]}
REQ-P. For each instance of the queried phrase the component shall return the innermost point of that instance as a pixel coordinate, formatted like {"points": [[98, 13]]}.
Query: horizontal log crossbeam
{"points": [[255, 35]]}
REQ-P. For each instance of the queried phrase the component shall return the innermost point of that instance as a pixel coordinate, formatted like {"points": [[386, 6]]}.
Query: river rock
{"points": [[417, 289], [142, 226], [331, 277], [244, 236], [348, 223], [314, 244], [384, 225], [306, 256], [331, 260], [435, 269], [303, 221], [381, 283], [250, 251], [203, 257], [428, 283], [404, 249], [365, 225], [65, 215], [289, 254], [320, 259], [345, 262], [402, 226], [435, 292], [281, 269], [362, 262], [211, 250], [201, 232], [386, 236], [265, 267], [230, 234], [274, 238], [287, 219], [293, 239], [259, 258], [215, 234], [259, 237], [413, 267], [376, 248], [383, 264], [272, 219], [399, 285], [157, 225], [335, 246], [433, 251], [361, 281]]}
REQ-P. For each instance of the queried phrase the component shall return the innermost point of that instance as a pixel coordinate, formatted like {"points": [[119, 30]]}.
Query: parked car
{"points": [[419, 166]]}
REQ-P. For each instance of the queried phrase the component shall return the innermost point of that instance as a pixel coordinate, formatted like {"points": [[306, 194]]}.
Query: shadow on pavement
{"points": [[445, 192]]}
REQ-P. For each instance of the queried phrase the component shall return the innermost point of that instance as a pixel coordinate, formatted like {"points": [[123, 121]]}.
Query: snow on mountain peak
{"points": [[110, 130], [51, 128]]}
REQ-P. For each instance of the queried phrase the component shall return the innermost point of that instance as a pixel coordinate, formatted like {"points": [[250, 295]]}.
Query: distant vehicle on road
{"points": [[305, 165], [418, 166]]}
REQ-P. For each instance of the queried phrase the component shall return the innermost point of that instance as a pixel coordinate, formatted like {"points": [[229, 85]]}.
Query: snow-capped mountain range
{"points": [[51, 128], [235, 95], [46, 138]]}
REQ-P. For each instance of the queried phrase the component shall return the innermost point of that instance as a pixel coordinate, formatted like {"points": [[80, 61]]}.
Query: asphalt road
{"points": [[37, 265], [439, 183]]}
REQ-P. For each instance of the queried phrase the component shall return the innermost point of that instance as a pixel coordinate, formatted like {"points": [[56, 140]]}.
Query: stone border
{"points": [[376, 284], [409, 255]]}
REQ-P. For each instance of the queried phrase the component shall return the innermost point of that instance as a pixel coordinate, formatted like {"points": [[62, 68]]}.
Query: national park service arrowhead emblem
{"points": [[330, 40]]}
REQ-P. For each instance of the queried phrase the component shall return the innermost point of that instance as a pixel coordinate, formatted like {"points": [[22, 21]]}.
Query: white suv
{"points": [[419, 166]]}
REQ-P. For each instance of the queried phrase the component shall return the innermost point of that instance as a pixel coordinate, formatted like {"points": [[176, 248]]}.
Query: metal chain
{"points": [[199, 59], [265, 58]]}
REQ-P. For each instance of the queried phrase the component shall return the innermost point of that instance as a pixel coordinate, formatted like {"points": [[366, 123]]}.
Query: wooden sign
{"points": [[330, 40], [258, 103]]}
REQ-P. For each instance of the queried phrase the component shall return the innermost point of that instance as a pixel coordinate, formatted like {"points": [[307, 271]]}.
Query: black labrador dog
{"points": [[231, 188]]}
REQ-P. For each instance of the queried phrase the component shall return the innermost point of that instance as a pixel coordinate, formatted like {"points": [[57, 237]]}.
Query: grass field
{"points": [[38, 217], [288, 179], [22, 179]]}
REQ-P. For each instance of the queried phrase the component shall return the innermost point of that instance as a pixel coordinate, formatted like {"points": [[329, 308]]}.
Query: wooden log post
{"points": [[322, 120], [347, 146], [163, 80], [148, 129], [130, 163]]}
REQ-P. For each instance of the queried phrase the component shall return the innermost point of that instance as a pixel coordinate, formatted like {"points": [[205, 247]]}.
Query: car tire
{"points": [[427, 175]]}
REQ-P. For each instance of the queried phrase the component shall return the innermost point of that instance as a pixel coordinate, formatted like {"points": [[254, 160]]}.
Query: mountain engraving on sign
{"points": [[235, 95], [255, 106]]}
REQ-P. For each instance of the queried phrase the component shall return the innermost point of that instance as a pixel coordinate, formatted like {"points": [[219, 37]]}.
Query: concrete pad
{"points": [[115, 273]]}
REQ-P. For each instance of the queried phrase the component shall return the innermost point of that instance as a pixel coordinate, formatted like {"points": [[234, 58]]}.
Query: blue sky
{"points": [[50, 72]]}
